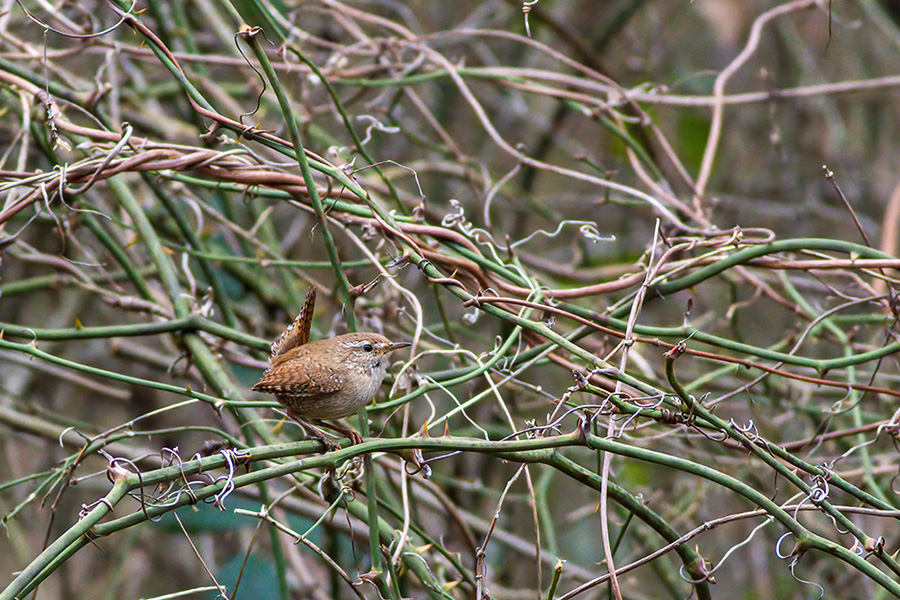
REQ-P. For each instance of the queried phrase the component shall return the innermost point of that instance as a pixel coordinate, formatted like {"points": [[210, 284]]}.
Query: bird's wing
{"points": [[297, 333], [291, 375]]}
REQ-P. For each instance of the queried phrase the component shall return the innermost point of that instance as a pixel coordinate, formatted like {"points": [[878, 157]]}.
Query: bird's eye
{"points": [[368, 347]]}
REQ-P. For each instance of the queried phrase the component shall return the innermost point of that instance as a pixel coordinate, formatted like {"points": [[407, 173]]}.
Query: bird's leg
{"points": [[316, 433], [355, 438]]}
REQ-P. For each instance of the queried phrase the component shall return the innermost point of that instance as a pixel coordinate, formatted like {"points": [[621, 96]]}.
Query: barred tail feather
{"points": [[297, 333]]}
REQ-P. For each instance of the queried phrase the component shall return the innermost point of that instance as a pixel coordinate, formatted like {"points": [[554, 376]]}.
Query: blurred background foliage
{"points": [[645, 251]]}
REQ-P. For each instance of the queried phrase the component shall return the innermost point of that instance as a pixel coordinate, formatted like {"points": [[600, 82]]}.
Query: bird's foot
{"points": [[329, 444], [354, 437], [320, 436]]}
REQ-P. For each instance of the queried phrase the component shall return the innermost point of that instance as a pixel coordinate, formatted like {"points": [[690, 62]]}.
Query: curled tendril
{"points": [[87, 508], [175, 457], [894, 483], [632, 417], [818, 493], [778, 551], [457, 219], [793, 567], [472, 317], [457, 216], [717, 436], [684, 577], [63, 433], [588, 230], [857, 447], [232, 456], [123, 16], [555, 425], [657, 402], [374, 124], [114, 465], [668, 417]]}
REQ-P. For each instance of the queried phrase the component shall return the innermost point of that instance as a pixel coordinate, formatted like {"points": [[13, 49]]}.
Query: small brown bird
{"points": [[325, 379]]}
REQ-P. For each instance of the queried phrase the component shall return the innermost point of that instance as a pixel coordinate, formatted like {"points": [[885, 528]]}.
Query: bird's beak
{"points": [[398, 345]]}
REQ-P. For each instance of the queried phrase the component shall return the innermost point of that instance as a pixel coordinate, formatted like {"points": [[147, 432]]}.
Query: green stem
{"points": [[284, 102], [371, 496], [693, 562], [56, 553], [742, 256], [339, 106], [770, 454]]}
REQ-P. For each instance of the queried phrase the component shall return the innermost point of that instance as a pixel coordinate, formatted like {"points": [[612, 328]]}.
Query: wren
{"points": [[325, 379]]}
